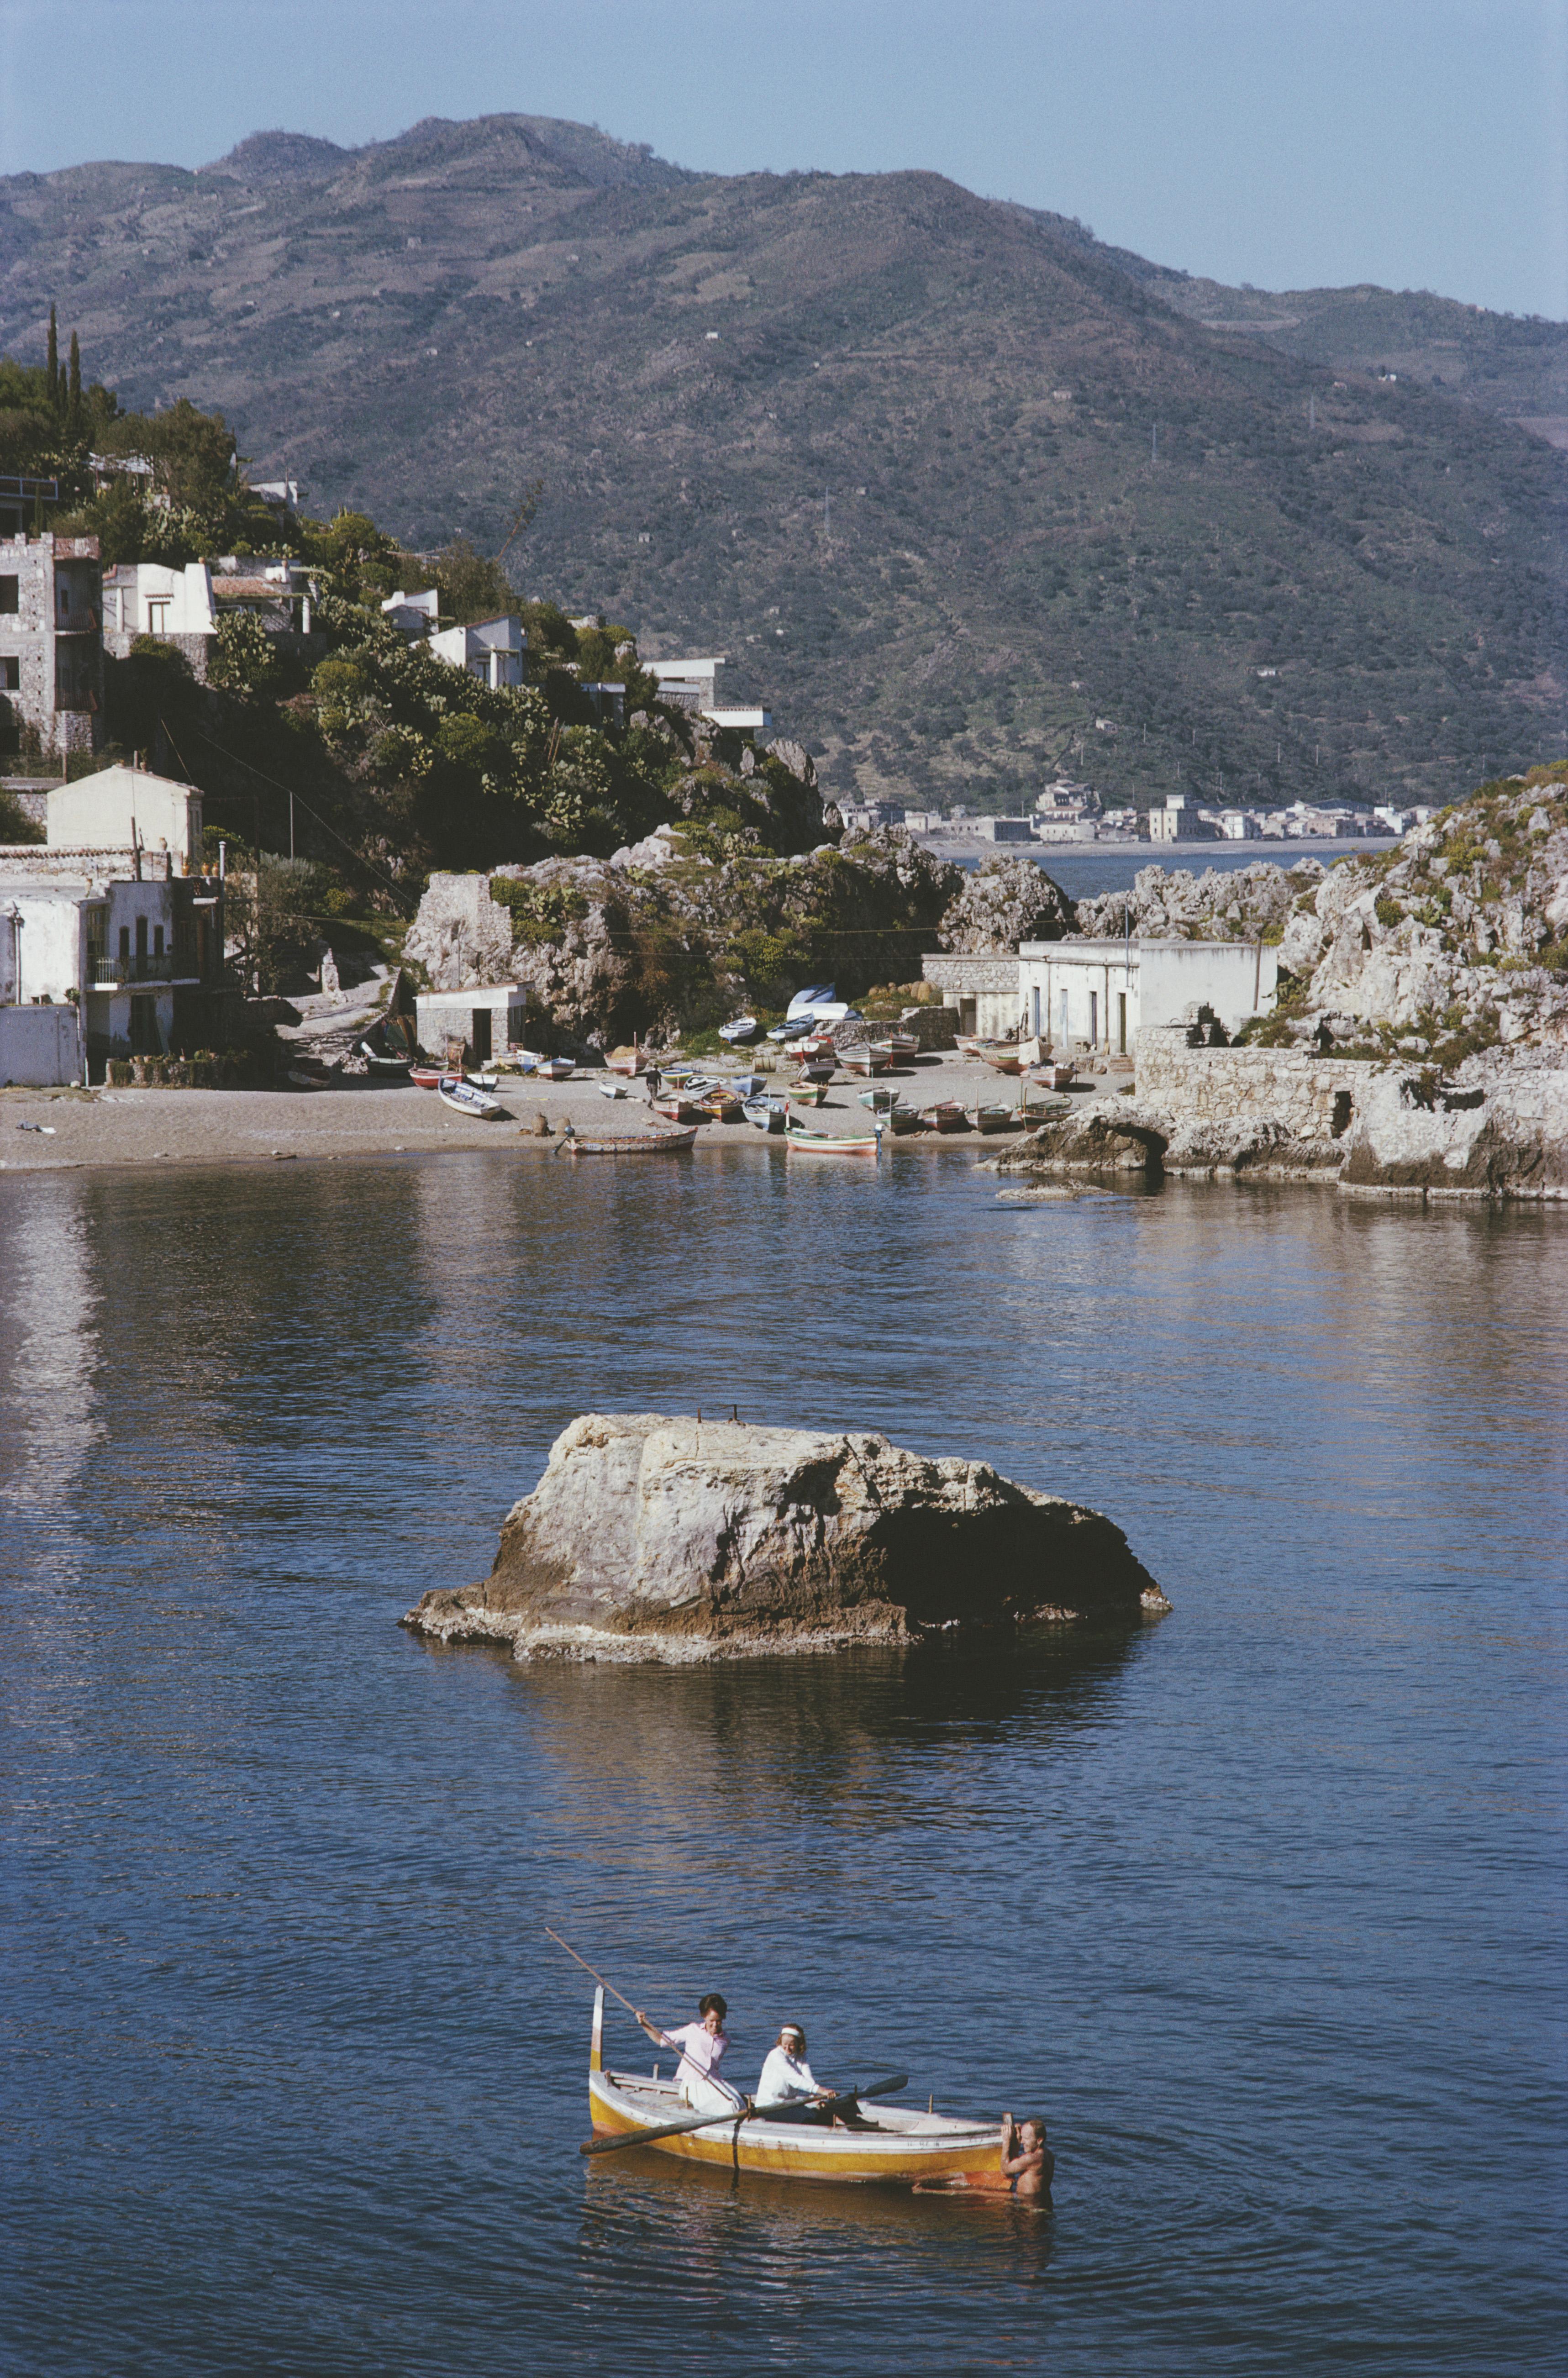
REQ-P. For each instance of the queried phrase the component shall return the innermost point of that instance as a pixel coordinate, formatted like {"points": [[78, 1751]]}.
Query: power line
{"points": [[358, 856]]}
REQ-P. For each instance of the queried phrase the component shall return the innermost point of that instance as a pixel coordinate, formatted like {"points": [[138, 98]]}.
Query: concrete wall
{"points": [[42, 946], [983, 991], [40, 1046], [446, 1015], [112, 809], [1303, 1092], [186, 596], [102, 862], [1235, 978]]}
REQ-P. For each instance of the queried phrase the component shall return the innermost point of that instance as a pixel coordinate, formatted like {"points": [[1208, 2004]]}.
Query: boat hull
{"points": [[821, 1143], [907, 2149], [638, 1143]]}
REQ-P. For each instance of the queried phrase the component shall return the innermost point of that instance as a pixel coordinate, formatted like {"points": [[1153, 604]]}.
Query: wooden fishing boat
{"points": [[823, 1143], [739, 1032], [904, 1045], [808, 1094], [946, 1115], [629, 1062], [749, 1085], [818, 1048], [611, 1089], [676, 1107], [425, 1077], [481, 1081], [555, 1069], [899, 2146], [968, 1044], [819, 1069], [867, 1057], [992, 1119], [631, 1143], [879, 1102], [903, 1120], [463, 1099], [722, 1105], [767, 1114], [1003, 1057]]}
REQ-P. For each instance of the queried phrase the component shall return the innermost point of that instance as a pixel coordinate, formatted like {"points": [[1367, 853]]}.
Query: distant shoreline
{"points": [[1157, 854]]}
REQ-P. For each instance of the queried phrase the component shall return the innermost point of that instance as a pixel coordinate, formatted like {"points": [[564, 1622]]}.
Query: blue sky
{"points": [[1420, 143]]}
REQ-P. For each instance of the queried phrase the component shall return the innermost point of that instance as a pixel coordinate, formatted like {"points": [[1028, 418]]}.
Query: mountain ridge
{"points": [[968, 497]]}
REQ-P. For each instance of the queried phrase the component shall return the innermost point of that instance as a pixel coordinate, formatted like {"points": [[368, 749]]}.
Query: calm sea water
{"points": [[1258, 1909], [1112, 867]]}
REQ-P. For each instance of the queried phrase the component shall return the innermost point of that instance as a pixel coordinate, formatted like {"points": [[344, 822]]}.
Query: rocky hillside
{"points": [[964, 494], [663, 939], [1455, 940]]}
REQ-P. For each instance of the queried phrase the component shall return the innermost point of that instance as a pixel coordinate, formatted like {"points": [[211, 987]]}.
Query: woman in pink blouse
{"points": [[700, 2046]]}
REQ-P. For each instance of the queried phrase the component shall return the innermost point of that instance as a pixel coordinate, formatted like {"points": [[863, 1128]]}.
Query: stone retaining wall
{"points": [[1311, 1097]]}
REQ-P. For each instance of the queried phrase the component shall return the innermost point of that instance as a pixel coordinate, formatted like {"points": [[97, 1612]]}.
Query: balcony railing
{"points": [[111, 974]]}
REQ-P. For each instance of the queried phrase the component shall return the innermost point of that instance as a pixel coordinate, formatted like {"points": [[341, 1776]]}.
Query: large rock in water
{"points": [[678, 1539]]}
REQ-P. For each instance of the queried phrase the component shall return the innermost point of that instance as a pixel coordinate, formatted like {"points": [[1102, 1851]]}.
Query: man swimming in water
{"points": [[1026, 2160]]}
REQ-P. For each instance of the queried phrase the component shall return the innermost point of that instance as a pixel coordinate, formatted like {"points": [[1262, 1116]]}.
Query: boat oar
{"points": [[784, 2109], [587, 1968]]}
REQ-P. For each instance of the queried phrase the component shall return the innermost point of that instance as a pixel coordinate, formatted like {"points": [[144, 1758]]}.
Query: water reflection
{"points": [[50, 1349]]}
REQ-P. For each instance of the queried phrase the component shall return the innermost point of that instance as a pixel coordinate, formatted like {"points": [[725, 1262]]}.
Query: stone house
{"points": [[52, 639]]}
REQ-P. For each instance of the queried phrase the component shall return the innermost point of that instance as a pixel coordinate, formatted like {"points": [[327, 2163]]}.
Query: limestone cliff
{"points": [[651, 1537]]}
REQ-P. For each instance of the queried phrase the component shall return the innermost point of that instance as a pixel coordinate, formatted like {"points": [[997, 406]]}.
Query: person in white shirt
{"points": [[787, 2076], [700, 2046]]}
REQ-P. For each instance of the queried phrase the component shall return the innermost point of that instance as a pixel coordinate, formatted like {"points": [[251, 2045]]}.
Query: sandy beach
{"points": [[44, 1130]]}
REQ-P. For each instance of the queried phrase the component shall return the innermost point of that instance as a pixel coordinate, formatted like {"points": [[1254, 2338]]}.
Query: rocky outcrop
{"points": [[658, 1537], [1496, 1127], [1499, 1128], [1099, 1139], [460, 935], [1004, 902], [1459, 935], [1222, 905], [655, 942]]}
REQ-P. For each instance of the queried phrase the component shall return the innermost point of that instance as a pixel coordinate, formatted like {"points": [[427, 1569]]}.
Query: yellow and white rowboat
{"points": [[900, 2147]]}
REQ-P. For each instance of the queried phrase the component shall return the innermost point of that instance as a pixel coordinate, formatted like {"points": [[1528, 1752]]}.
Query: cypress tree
{"points": [[72, 399], [52, 368]]}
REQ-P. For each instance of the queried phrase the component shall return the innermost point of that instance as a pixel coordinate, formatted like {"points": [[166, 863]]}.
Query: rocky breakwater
{"points": [[677, 1539]]}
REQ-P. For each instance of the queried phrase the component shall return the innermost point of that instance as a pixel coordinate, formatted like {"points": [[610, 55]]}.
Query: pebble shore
{"points": [[169, 1126]]}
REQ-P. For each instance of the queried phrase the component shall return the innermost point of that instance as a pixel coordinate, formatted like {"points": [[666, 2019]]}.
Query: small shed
{"points": [[488, 1018]]}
